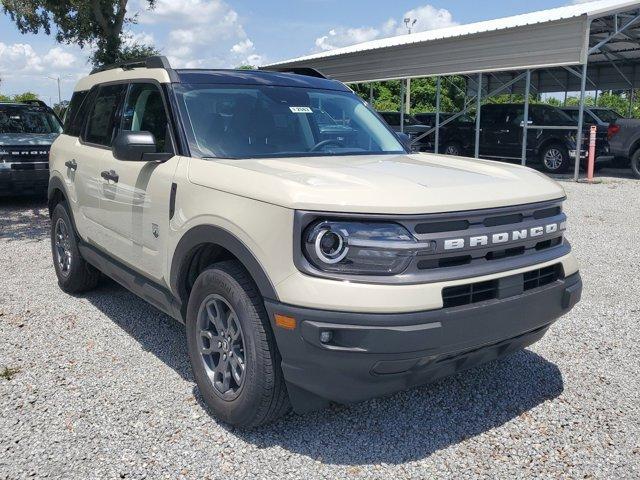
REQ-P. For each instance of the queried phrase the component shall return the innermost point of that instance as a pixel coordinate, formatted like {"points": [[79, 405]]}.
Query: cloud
{"points": [[19, 59], [427, 17], [201, 33]]}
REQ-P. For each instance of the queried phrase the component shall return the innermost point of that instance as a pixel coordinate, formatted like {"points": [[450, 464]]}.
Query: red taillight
{"points": [[612, 130]]}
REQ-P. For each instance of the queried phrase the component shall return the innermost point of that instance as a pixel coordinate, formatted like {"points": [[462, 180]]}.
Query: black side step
{"points": [[155, 294]]}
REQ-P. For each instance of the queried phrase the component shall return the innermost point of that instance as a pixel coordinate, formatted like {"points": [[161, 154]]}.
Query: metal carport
{"points": [[572, 48]]}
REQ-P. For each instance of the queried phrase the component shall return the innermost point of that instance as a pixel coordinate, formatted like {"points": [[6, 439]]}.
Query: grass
{"points": [[8, 373]]}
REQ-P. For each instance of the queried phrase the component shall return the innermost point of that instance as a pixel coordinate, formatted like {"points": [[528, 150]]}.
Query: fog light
{"points": [[326, 336]]}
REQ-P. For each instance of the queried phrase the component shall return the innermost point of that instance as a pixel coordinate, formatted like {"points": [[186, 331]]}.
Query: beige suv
{"points": [[311, 256]]}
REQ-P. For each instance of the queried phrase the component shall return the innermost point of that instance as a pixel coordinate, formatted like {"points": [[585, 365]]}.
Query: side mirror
{"points": [[405, 139], [137, 147]]}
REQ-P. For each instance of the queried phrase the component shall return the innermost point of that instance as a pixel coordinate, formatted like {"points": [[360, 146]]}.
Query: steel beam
{"points": [[478, 105], [437, 139], [402, 106], [583, 86], [525, 118]]}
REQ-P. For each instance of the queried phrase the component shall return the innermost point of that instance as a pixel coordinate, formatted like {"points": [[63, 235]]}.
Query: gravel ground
{"points": [[99, 386]]}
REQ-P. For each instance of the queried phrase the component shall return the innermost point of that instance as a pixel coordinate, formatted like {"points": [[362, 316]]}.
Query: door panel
{"points": [[136, 207]]}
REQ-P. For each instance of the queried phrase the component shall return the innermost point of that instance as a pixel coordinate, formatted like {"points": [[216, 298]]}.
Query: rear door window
{"points": [[100, 123], [74, 116]]}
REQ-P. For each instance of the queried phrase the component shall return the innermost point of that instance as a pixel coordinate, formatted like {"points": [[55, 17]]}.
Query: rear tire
{"points": [[74, 274], [233, 352], [635, 163], [555, 158]]}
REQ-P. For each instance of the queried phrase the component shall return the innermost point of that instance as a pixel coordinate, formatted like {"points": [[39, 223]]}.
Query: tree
{"points": [[98, 23], [25, 97]]}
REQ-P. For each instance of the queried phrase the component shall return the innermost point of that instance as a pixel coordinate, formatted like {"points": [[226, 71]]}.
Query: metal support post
{"points": [[478, 105], [408, 98], [583, 86], [525, 118], [437, 139], [402, 106], [371, 94]]}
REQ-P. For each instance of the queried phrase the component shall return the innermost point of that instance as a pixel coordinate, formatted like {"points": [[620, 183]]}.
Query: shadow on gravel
{"points": [[412, 425], [24, 219], [155, 331], [404, 427]]}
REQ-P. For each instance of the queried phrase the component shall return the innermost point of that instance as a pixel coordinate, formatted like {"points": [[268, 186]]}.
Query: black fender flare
{"points": [[203, 234], [55, 184]]}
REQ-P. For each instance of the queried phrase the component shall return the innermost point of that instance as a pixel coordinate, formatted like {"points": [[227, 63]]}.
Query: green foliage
{"points": [[20, 97], [97, 23], [423, 97], [25, 97], [246, 67]]}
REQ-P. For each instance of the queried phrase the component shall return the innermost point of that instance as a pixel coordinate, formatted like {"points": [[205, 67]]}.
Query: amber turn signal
{"points": [[288, 323]]}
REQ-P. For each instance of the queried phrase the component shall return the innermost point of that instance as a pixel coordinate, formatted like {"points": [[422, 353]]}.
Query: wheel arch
{"points": [[551, 141], [219, 244], [55, 193]]}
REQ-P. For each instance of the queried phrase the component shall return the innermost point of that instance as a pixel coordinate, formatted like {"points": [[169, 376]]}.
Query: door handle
{"points": [[71, 164], [110, 175]]}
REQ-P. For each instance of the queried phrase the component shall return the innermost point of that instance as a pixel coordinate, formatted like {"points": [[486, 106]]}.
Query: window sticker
{"points": [[300, 109]]}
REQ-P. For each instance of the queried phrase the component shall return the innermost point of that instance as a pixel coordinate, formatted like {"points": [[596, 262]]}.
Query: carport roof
{"points": [[543, 39]]}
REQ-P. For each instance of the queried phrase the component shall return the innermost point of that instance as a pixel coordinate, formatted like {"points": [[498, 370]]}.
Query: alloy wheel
{"points": [[452, 150], [553, 159], [222, 347], [63, 247]]}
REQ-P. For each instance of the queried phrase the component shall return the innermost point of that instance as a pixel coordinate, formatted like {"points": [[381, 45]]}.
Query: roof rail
{"points": [[148, 62], [308, 71], [36, 103]]}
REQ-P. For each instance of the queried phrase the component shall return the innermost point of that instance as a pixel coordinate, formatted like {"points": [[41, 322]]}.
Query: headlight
{"points": [[359, 248]]}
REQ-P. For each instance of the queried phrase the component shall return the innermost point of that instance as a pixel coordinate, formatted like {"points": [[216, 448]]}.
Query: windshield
{"points": [[232, 121], [21, 119]]}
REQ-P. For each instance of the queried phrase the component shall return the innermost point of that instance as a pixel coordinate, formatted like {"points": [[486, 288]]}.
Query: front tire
{"points": [[555, 158], [635, 163], [74, 274], [233, 353]]}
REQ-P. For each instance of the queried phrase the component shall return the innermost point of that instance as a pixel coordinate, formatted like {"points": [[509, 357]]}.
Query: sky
{"points": [[229, 33]]}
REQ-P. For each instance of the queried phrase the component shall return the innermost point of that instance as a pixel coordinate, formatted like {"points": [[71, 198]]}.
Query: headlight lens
{"points": [[359, 248]]}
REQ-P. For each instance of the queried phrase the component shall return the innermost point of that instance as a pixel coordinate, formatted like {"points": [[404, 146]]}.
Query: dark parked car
{"points": [[412, 127], [623, 133], [455, 137], [27, 131], [501, 136]]}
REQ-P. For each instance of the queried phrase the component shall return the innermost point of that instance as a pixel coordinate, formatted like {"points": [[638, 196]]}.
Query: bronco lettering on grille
{"points": [[503, 237]]}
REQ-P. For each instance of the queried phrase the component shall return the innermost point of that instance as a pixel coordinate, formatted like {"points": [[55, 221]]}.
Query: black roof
{"points": [[257, 77]]}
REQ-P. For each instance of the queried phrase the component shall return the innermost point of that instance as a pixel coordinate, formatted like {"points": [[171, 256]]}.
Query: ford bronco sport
{"points": [[307, 267], [27, 131]]}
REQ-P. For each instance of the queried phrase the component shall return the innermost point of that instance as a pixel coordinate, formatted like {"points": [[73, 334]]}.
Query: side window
{"points": [[100, 124], [144, 112], [491, 115], [72, 117]]}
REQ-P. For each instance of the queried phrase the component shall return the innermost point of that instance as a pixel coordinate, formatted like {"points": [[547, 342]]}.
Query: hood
{"points": [[401, 184], [26, 139]]}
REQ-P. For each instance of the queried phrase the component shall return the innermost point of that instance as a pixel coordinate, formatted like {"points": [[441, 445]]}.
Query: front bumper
{"points": [[370, 355], [24, 179]]}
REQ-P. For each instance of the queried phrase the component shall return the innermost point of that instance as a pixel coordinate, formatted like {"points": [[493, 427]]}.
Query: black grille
{"points": [[481, 291], [542, 277], [28, 154], [471, 293]]}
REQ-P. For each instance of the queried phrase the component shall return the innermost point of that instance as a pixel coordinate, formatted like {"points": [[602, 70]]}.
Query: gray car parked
{"points": [[27, 131], [623, 134]]}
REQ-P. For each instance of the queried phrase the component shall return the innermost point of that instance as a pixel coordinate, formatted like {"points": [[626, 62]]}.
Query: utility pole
{"points": [[409, 23], [58, 80]]}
